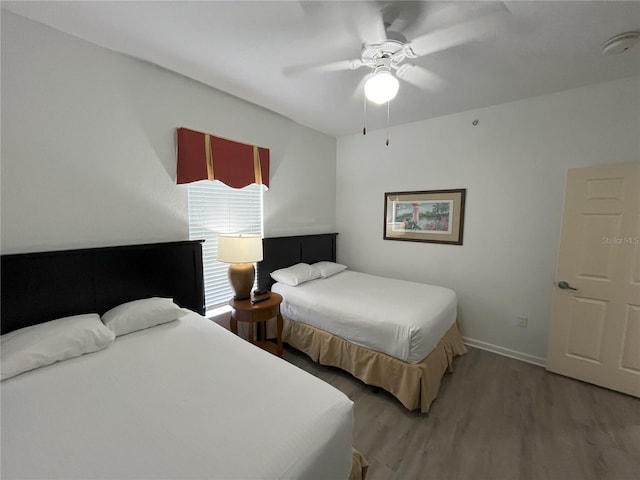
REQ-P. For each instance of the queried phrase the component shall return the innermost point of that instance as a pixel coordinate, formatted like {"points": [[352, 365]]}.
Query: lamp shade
{"points": [[239, 248], [381, 87]]}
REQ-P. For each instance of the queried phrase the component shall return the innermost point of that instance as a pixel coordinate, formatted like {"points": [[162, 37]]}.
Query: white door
{"points": [[595, 325]]}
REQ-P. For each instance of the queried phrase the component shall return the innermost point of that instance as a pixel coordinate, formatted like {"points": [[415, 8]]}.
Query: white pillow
{"points": [[140, 314], [296, 274], [49, 342], [327, 269]]}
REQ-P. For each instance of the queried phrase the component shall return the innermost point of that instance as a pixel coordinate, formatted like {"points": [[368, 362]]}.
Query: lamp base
{"points": [[241, 277]]}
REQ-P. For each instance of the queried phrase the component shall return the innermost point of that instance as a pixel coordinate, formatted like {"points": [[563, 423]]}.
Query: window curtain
{"points": [[202, 156]]}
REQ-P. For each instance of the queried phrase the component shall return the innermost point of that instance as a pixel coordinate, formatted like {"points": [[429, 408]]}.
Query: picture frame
{"points": [[432, 216]]}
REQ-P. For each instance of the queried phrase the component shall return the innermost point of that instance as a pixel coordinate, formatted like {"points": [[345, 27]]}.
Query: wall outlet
{"points": [[522, 321]]}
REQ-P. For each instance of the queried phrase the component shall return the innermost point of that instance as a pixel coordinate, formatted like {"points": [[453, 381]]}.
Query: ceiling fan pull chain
{"points": [[387, 142], [364, 120]]}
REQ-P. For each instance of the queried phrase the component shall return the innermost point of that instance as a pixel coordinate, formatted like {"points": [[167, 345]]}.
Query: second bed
{"points": [[398, 335]]}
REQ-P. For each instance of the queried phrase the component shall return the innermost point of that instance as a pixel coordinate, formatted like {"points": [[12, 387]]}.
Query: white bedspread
{"points": [[187, 399], [403, 319]]}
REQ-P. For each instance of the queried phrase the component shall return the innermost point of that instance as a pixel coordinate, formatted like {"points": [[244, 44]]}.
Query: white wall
{"points": [[513, 165], [88, 147], [88, 159]]}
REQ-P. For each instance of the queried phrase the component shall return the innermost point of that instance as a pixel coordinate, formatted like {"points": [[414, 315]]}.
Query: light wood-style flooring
{"points": [[494, 418]]}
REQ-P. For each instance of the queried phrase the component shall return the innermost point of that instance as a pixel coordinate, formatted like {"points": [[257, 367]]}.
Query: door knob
{"points": [[565, 286]]}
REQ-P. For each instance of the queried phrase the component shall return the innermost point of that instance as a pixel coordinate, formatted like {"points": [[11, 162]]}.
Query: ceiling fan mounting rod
{"points": [[372, 51], [393, 50], [382, 63]]}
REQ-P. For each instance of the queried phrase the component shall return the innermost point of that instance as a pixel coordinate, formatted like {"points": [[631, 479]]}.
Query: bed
{"points": [[354, 321], [182, 399]]}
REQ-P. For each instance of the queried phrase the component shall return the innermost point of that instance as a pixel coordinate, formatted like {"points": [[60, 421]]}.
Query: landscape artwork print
{"points": [[422, 217], [434, 216]]}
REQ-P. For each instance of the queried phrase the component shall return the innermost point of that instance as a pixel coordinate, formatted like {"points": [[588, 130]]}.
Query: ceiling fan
{"points": [[384, 59], [385, 49]]}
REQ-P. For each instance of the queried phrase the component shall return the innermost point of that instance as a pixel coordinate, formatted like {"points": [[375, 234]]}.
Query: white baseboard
{"points": [[524, 357]]}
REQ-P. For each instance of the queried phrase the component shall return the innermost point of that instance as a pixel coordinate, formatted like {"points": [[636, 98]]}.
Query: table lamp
{"points": [[240, 251]]}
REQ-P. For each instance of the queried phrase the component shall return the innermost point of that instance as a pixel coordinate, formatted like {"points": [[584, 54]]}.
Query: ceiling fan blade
{"points": [[338, 66], [489, 21], [421, 78], [364, 18], [401, 15]]}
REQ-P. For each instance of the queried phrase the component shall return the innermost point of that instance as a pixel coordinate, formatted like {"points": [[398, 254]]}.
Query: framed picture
{"points": [[435, 216]]}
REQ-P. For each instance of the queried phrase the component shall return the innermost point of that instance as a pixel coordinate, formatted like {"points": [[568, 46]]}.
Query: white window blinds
{"points": [[215, 208]]}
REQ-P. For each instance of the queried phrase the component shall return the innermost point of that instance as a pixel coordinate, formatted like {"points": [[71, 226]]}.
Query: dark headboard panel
{"points": [[281, 252], [38, 287]]}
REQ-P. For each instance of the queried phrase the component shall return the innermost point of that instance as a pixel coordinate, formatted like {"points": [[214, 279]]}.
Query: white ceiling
{"points": [[248, 49]]}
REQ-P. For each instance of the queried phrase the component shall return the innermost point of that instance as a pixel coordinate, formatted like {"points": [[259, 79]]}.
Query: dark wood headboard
{"points": [[38, 287], [281, 252]]}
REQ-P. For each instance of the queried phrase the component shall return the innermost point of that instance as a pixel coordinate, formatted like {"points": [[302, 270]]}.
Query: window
{"points": [[215, 208]]}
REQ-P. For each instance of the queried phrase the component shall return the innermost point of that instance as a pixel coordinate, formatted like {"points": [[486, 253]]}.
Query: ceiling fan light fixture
{"points": [[382, 87]]}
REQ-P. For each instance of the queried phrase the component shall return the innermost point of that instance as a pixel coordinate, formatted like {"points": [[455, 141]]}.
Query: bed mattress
{"points": [[186, 399], [405, 320]]}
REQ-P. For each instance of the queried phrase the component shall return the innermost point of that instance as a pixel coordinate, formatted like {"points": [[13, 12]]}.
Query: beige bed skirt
{"points": [[414, 384], [359, 466]]}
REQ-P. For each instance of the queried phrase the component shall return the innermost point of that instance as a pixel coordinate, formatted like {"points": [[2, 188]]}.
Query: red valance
{"points": [[202, 156]]}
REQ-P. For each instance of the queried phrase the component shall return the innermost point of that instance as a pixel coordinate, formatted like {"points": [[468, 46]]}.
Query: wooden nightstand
{"points": [[259, 313]]}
